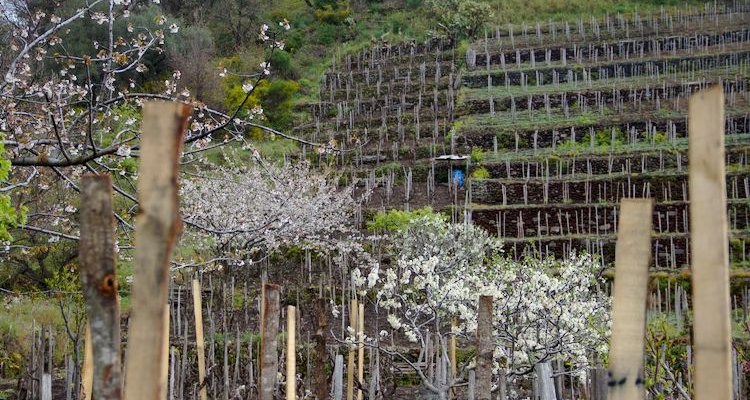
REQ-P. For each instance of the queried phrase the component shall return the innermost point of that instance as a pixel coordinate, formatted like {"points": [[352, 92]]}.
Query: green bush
{"points": [[480, 173], [477, 155], [395, 220]]}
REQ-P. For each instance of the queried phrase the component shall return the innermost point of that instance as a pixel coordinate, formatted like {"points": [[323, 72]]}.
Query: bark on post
{"points": [[157, 227], [291, 353], [632, 259], [708, 239], [200, 344], [320, 384], [485, 349], [269, 328], [96, 254]]}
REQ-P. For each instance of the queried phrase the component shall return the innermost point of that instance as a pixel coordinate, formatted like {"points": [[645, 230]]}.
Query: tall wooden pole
{"points": [[485, 349], [360, 348], [320, 386], [157, 227], [709, 242], [350, 360], [632, 259], [291, 353], [269, 340], [200, 344], [96, 254], [87, 372]]}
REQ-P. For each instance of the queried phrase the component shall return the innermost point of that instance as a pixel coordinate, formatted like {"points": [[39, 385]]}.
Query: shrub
{"points": [[480, 173]]}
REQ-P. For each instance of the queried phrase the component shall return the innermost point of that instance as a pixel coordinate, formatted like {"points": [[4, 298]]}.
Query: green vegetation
{"points": [[395, 220], [480, 173], [9, 215]]}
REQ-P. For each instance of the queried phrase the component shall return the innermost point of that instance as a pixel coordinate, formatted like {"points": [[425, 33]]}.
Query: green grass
{"points": [[18, 317], [500, 91], [515, 11]]}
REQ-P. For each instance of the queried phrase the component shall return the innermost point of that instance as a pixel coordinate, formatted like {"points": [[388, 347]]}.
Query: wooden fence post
{"points": [[632, 259], [269, 331], [709, 242], [87, 372], [200, 344], [452, 355], [320, 385], [350, 360], [96, 255], [291, 354], [156, 231], [360, 348], [485, 349], [545, 384], [338, 378]]}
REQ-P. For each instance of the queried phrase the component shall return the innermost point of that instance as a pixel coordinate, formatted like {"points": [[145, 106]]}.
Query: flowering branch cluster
{"points": [[262, 207], [543, 309], [78, 111]]}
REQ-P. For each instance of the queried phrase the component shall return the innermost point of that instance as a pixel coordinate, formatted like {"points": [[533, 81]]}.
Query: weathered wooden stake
{"points": [[96, 254], [269, 328], [350, 360], [708, 239], [200, 344], [291, 353], [338, 378], [632, 259], [87, 372], [360, 348], [165, 352], [156, 233], [320, 385], [485, 349]]}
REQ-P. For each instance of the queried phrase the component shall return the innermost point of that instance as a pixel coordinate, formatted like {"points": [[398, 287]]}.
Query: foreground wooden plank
{"points": [[269, 340], [87, 371], [709, 243], [632, 258], [485, 348], [350, 356], [157, 226], [96, 254], [200, 344], [291, 353]]}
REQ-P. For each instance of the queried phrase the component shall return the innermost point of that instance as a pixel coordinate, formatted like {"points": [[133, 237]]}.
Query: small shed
{"points": [[458, 166]]}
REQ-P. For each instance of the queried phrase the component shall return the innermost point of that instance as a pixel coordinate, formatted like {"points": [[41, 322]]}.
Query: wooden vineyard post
{"points": [[360, 348], [350, 360], [291, 354], [157, 226], [320, 386], [632, 259], [165, 352], [485, 349], [452, 353], [269, 331], [709, 244], [87, 372], [200, 343], [96, 254]]}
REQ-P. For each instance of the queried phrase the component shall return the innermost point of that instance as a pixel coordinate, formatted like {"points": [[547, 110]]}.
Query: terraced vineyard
{"points": [[556, 122]]}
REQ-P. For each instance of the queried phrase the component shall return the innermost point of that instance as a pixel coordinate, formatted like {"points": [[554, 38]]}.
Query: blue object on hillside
{"points": [[457, 177]]}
